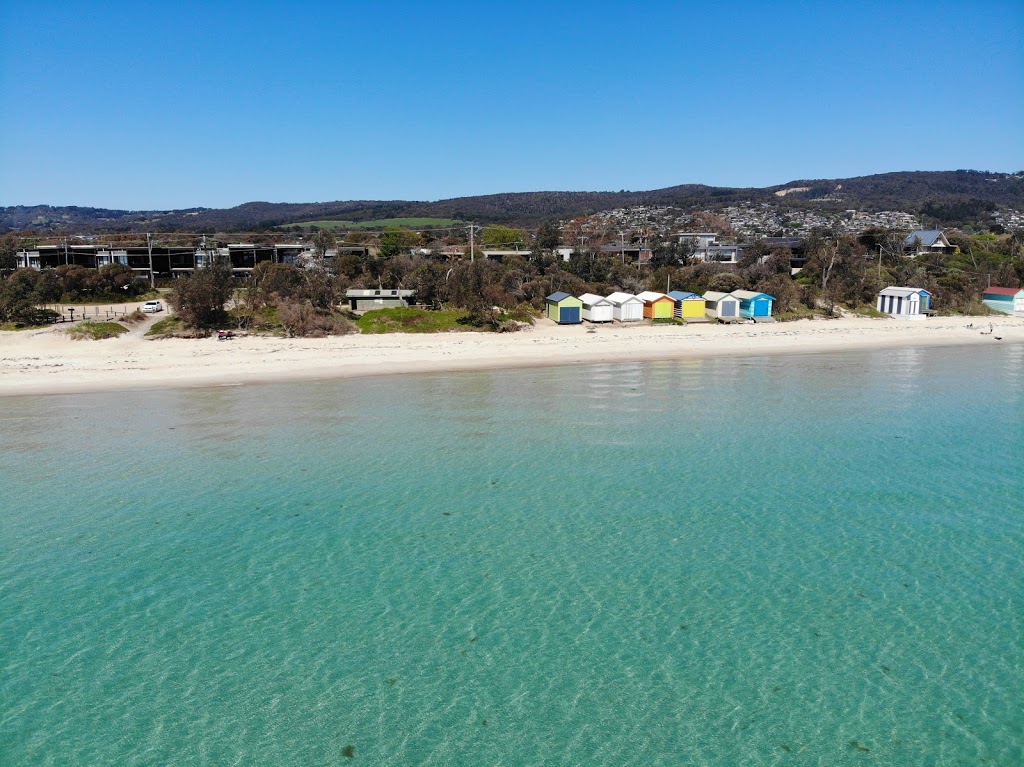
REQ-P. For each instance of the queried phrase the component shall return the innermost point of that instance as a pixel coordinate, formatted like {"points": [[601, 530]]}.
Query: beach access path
{"points": [[47, 361]]}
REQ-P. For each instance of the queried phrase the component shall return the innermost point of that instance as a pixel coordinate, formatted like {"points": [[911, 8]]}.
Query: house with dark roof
{"points": [[924, 241]]}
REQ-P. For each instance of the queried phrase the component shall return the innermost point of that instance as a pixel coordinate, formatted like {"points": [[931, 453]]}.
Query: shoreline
{"points": [[48, 362]]}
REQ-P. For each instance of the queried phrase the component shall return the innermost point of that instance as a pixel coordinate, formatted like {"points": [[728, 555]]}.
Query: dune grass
{"points": [[96, 331], [410, 320]]}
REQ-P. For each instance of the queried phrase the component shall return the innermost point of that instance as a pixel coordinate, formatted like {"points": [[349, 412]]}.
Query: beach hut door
{"points": [[570, 314]]}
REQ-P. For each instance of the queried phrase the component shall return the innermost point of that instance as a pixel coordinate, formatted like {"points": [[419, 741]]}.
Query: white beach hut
{"points": [[722, 306], [597, 308], [904, 303], [626, 307]]}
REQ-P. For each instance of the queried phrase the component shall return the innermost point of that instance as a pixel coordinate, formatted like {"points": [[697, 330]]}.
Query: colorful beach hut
{"points": [[1006, 300], [657, 306], [564, 309], [904, 303], [688, 306], [722, 306], [754, 305], [597, 308], [626, 307]]}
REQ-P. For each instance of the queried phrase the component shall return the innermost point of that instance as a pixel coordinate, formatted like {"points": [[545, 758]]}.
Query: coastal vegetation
{"points": [[825, 274], [96, 331]]}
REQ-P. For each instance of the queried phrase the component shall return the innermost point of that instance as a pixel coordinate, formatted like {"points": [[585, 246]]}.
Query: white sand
{"points": [[47, 361]]}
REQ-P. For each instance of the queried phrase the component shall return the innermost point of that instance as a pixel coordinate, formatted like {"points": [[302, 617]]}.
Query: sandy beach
{"points": [[48, 361]]}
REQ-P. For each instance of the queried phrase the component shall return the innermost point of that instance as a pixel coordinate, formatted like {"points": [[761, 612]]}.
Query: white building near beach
{"points": [[905, 303], [597, 308], [626, 307]]}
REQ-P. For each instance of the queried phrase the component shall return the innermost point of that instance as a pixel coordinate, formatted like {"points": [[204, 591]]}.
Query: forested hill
{"points": [[949, 197]]}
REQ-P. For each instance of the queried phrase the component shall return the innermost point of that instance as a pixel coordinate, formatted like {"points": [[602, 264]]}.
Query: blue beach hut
{"points": [[754, 304]]}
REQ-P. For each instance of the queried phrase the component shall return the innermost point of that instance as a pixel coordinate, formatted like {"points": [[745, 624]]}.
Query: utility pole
{"points": [[472, 245], [622, 246], [149, 248]]}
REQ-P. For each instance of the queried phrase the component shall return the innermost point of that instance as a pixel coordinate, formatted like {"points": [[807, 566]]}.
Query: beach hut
{"points": [[597, 308], [563, 308], [754, 305], [722, 306], [626, 307], [904, 303], [688, 306], [1006, 300], [657, 306]]}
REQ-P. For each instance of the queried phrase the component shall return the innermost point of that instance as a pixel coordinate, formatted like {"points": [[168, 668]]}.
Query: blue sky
{"points": [[166, 105]]}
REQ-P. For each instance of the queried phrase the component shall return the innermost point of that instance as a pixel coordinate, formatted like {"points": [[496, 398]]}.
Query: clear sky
{"points": [[145, 105]]}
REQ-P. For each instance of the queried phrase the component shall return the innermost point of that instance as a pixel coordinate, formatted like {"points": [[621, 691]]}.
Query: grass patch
{"points": [[410, 320], [133, 318], [668, 321], [20, 326], [96, 331], [867, 310], [412, 223], [167, 327]]}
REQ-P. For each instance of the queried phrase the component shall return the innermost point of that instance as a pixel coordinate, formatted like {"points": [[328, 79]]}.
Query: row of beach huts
{"points": [[739, 305], [900, 302]]}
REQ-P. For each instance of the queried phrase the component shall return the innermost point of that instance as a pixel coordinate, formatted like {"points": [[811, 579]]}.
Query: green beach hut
{"points": [[564, 309]]}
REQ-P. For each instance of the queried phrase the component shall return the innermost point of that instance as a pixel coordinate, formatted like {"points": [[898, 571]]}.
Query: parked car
{"points": [[152, 307]]}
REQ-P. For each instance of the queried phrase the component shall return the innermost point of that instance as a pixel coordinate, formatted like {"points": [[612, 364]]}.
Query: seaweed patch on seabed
{"points": [[856, 745]]}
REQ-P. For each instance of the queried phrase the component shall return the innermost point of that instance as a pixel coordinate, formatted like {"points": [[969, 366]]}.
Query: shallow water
{"points": [[808, 560]]}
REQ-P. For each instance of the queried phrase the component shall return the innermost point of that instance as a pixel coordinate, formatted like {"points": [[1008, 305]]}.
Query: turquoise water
{"points": [[806, 560]]}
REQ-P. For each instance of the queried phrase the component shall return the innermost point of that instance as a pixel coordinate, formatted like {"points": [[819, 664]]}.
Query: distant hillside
{"points": [[951, 197]]}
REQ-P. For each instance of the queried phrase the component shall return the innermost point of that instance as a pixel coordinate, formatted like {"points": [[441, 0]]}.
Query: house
{"points": [[905, 303], [1006, 300], [626, 307], [722, 306], [754, 305], [365, 300], [563, 308], [699, 239], [631, 252], [688, 306], [657, 306], [564, 252], [597, 308], [926, 241], [499, 255]]}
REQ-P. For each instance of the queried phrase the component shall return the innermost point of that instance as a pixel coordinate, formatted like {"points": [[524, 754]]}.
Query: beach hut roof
{"points": [[1003, 291], [684, 295], [750, 294], [900, 292], [558, 296], [593, 299], [619, 297], [650, 295], [716, 295]]}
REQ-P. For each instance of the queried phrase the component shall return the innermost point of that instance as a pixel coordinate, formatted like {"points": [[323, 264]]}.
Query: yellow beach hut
{"points": [[688, 306]]}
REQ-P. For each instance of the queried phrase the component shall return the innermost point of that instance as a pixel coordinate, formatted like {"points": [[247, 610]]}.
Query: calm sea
{"points": [[802, 560]]}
